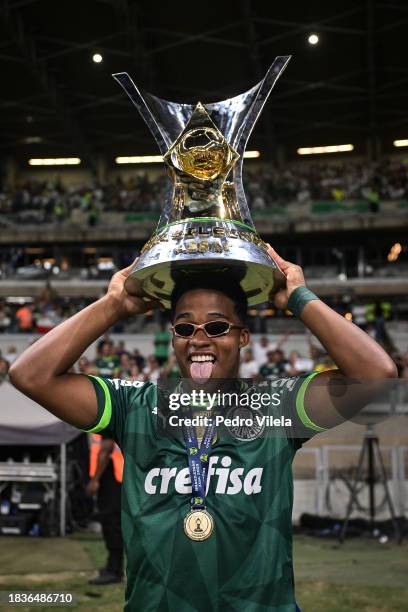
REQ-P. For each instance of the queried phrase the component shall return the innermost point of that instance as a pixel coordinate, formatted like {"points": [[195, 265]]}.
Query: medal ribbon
{"points": [[198, 458]]}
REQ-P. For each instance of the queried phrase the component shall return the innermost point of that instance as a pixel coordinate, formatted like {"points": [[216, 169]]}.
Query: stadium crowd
{"points": [[40, 315], [262, 359], [265, 186]]}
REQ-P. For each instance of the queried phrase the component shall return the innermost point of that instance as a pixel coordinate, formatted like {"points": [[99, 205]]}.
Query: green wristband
{"points": [[299, 298]]}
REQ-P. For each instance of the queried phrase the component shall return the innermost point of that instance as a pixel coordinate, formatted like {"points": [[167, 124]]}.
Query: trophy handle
{"points": [[263, 88], [166, 120], [236, 117]]}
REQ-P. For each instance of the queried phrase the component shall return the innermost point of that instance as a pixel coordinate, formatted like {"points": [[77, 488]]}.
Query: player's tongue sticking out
{"points": [[201, 370]]}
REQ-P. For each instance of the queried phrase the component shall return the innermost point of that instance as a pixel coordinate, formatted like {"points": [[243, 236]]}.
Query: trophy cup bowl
{"points": [[205, 226]]}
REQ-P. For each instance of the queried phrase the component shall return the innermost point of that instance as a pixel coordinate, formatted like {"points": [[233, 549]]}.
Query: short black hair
{"points": [[217, 282]]}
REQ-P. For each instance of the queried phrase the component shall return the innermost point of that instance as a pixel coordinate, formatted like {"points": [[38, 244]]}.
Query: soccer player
{"points": [[246, 563]]}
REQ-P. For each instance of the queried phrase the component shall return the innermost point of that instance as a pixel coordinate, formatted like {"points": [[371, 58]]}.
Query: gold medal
{"points": [[198, 525]]}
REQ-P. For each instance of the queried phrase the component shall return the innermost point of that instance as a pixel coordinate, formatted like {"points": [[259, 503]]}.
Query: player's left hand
{"points": [[294, 278]]}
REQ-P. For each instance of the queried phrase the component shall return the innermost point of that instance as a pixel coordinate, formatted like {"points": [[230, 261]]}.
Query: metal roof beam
{"points": [[374, 143], [319, 84], [25, 103], [392, 26], [186, 39], [209, 39], [15, 4], [329, 84], [74, 47], [116, 99], [312, 103], [269, 134], [393, 5], [318, 24], [311, 26], [132, 14], [11, 58], [393, 84]]}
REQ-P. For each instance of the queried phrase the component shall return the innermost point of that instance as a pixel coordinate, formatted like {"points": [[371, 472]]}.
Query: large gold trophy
{"points": [[206, 226]]}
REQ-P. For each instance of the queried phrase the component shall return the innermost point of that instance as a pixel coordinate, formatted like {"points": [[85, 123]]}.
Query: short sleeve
{"points": [[292, 401], [113, 400]]}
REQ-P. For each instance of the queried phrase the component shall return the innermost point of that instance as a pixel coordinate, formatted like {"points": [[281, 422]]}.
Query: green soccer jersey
{"points": [[246, 564]]}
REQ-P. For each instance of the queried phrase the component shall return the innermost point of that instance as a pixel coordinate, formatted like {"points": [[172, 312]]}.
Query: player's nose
{"points": [[200, 338]]}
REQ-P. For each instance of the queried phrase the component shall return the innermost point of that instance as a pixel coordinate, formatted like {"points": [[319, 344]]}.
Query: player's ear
{"points": [[244, 337]]}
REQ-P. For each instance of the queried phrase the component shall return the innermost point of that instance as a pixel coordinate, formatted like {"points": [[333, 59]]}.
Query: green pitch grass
{"points": [[361, 575]]}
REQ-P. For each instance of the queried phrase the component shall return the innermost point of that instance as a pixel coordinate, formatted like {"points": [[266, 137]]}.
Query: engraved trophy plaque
{"points": [[205, 226]]}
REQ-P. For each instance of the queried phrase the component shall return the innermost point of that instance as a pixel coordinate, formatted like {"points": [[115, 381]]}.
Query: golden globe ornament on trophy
{"points": [[205, 225]]}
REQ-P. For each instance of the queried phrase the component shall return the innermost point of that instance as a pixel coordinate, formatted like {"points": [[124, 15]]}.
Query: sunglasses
{"points": [[212, 329]]}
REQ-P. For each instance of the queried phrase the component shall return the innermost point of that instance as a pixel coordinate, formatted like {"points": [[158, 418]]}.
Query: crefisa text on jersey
{"points": [[237, 421], [227, 481]]}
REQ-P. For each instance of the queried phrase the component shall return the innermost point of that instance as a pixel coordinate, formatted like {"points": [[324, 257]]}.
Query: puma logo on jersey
{"points": [[228, 482], [119, 382]]}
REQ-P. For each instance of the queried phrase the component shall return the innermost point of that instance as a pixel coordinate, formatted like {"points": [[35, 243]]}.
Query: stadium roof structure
{"points": [[55, 101]]}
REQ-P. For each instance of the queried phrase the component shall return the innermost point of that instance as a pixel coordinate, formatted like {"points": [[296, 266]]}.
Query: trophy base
{"points": [[205, 246]]}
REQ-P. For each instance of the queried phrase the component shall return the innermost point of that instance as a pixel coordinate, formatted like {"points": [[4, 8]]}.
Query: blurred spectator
{"points": [[373, 196], [139, 360], [47, 319], [162, 340], [276, 365], [359, 313], [121, 348], [404, 366], [5, 320], [262, 348], [4, 368], [249, 368], [152, 369], [171, 369], [324, 364], [107, 363], [86, 367], [135, 373], [11, 354], [124, 365], [298, 365], [24, 316]]}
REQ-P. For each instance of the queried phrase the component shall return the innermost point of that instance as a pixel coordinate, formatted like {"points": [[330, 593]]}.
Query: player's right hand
{"points": [[92, 487], [294, 278], [124, 304]]}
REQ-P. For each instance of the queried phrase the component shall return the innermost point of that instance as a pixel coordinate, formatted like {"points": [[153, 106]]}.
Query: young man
{"points": [[246, 563], [106, 475]]}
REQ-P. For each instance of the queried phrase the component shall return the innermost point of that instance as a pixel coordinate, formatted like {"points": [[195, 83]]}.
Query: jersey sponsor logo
{"points": [[118, 382], [228, 481]]}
